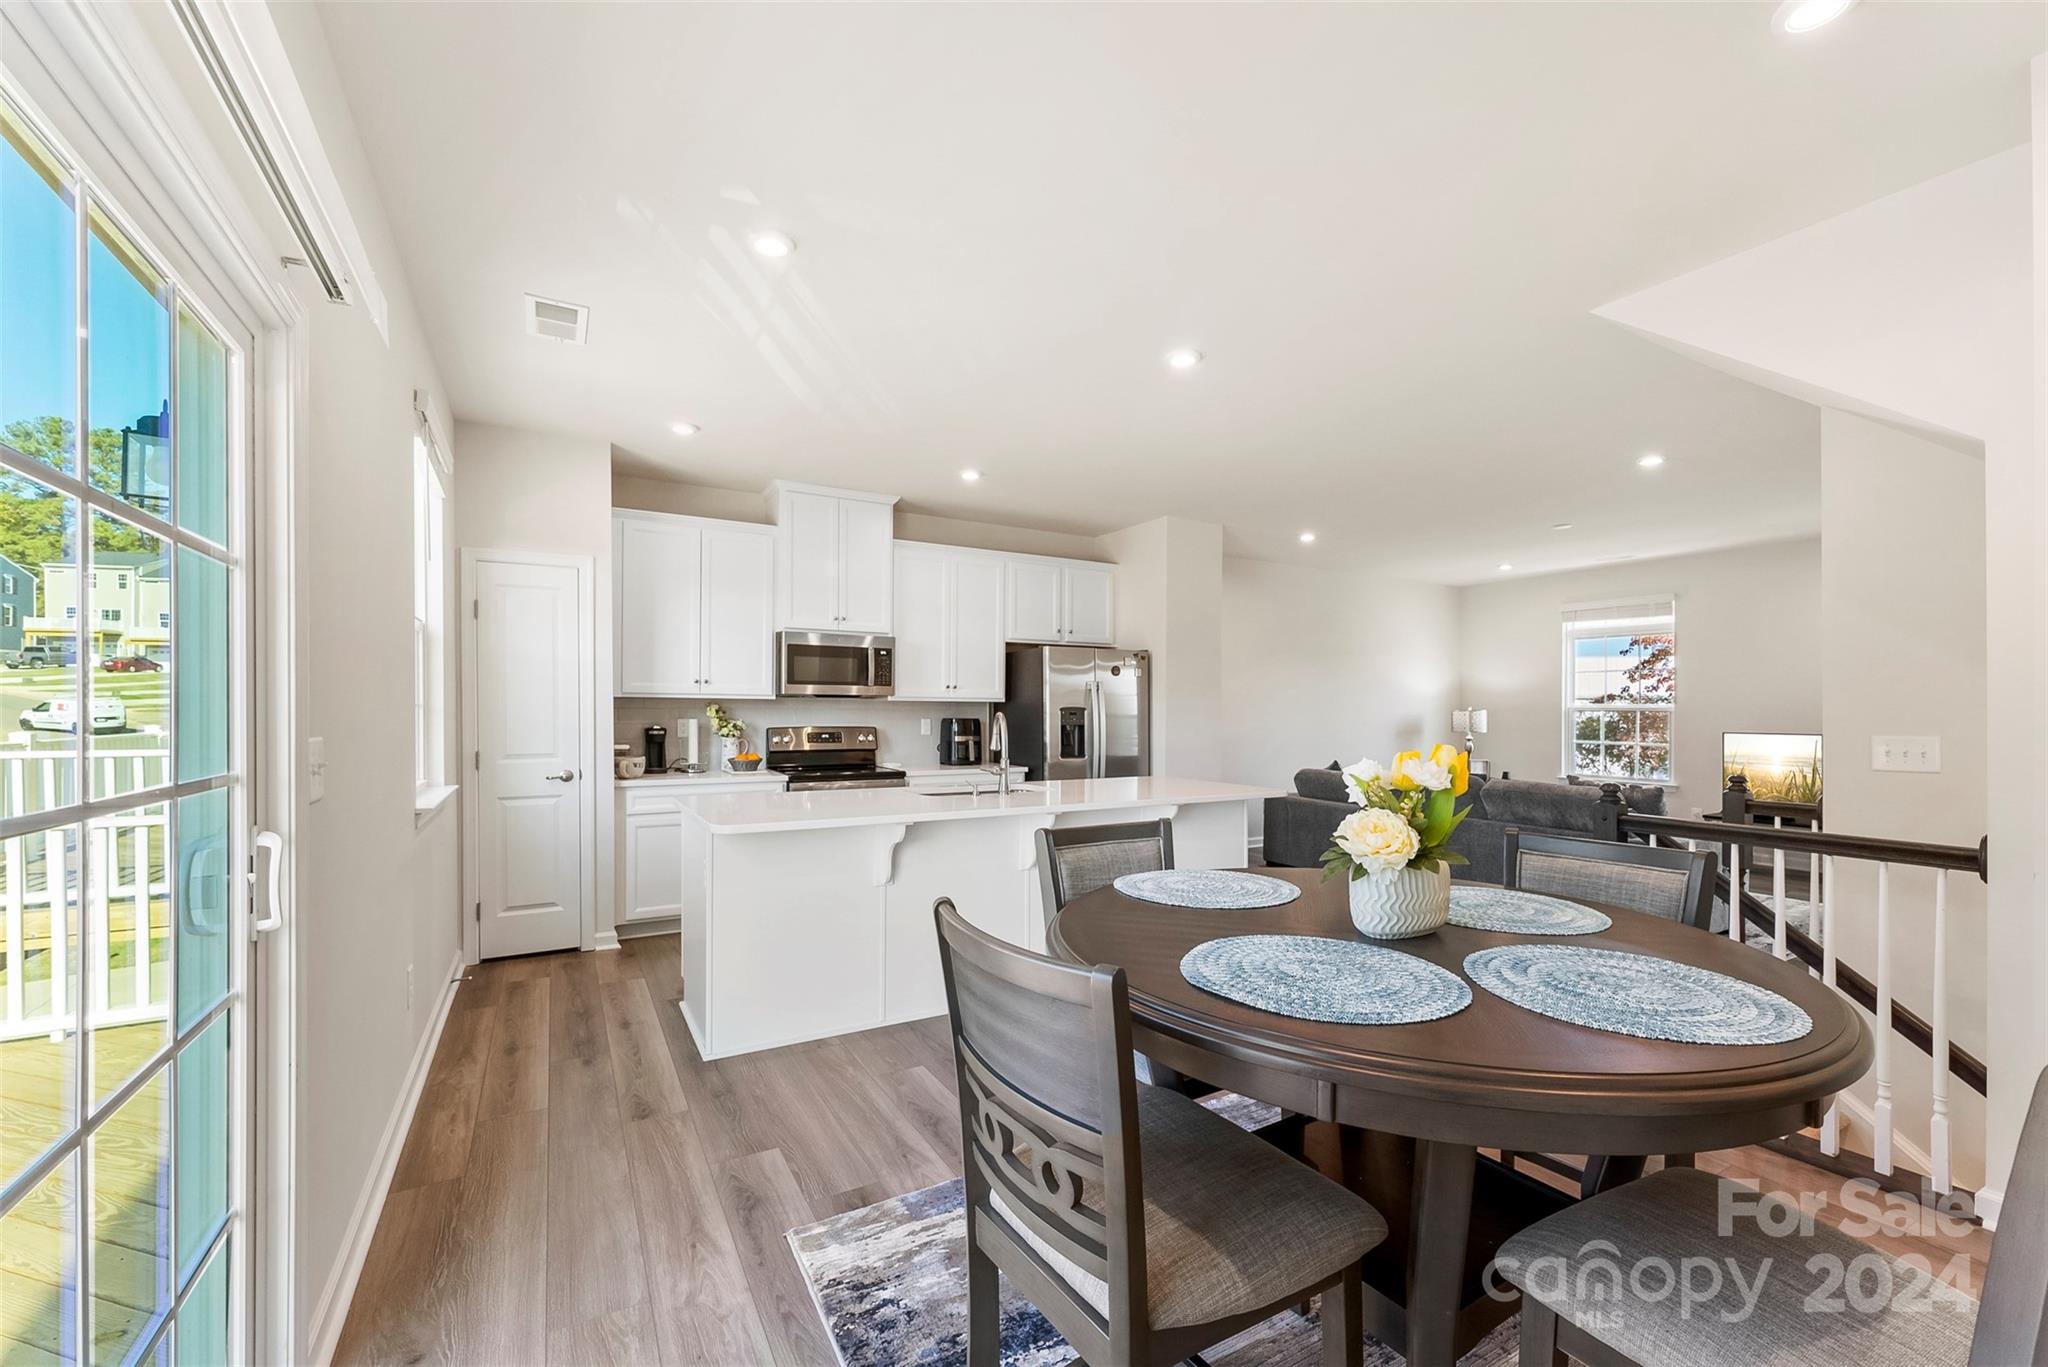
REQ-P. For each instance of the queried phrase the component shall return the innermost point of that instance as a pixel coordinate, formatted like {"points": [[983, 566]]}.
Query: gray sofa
{"points": [[1299, 827]]}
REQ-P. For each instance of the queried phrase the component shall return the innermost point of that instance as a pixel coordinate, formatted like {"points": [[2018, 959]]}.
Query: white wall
{"points": [[532, 491], [1931, 306], [1330, 664], [1169, 583], [1903, 653], [376, 897], [1748, 656]]}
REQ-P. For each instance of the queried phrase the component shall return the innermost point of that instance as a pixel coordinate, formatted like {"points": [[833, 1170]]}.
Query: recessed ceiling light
{"points": [[1308, 538], [1184, 358], [1504, 567], [1804, 16], [1651, 461], [684, 429], [1560, 526], [773, 245], [971, 476]]}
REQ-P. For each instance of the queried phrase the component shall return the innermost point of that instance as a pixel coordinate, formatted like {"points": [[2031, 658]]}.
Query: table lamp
{"points": [[1470, 720]]}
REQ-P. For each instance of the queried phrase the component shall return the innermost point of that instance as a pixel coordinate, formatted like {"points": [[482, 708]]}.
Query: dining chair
{"points": [[1664, 881], [1658, 880], [1813, 1285], [1074, 861], [1139, 1224]]}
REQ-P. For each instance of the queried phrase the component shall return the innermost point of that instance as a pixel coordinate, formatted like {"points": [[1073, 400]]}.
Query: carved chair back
{"points": [[2012, 1319]]}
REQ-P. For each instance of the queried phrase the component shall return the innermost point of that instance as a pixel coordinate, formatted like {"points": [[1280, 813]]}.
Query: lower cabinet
{"points": [[650, 844]]}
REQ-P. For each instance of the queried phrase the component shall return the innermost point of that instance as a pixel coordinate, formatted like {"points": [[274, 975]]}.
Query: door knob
{"points": [[566, 776]]}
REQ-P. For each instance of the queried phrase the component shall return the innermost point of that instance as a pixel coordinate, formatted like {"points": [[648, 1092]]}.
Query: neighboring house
{"points": [[129, 608], [17, 603]]}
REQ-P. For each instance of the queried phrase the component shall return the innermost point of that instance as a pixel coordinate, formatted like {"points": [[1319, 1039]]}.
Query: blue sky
{"points": [[130, 331]]}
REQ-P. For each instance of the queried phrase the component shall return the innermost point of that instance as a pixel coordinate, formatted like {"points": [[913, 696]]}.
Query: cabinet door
{"points": [[867, 545], [739, 610], [810, 531], [658, 614], [923, 626], [654, 865], [977, 613], [1091, 605], [1034, 609]]}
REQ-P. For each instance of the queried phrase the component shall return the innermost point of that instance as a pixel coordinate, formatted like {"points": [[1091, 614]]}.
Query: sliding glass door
{"points": [[124, 661]]}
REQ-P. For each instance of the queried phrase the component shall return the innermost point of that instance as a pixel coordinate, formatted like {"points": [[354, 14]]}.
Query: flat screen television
{"points": [[1781, 766]]}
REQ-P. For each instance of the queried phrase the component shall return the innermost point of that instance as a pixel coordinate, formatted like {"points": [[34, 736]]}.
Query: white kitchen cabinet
{"points": [[837, 559], [949, 624], [1060, 602], [693, 607], [650, 841]]}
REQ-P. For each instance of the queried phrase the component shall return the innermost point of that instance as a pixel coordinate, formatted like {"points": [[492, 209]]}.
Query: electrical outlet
{"points": [[408, 987], [316, 768], [924, 726], [1906, 754]]}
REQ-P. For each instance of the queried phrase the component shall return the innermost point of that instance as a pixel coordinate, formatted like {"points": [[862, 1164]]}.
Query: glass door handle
{"points": [[272, 883]]}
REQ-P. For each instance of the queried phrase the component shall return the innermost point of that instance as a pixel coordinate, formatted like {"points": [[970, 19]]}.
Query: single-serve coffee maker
{"points": [[960, 740]]}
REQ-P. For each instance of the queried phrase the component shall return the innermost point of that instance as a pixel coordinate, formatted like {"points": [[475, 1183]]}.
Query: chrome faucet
{"points": [[999, 751]]}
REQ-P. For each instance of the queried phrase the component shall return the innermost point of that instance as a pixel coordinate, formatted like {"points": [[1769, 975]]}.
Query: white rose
{"points": [[1422, 773], [1379, 840], [1365, 771]]}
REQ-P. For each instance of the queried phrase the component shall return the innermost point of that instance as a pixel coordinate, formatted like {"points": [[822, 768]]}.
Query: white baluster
{"points": [[1881, 1113], [16, 948], [1937, 1127], [1735, 892], [1778, 895], [57, 884], [1824, 919]]}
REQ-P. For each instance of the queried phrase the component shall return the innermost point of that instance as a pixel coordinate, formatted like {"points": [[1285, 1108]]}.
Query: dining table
{"points": [[1414, 1103]]}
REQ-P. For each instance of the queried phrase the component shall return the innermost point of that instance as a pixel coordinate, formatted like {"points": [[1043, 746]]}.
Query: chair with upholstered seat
{"points": [[1659, 880], [1792, 1292], [1143, 1227]]}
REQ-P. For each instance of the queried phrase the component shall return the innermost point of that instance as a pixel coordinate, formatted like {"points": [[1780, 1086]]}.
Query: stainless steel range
{"points": [[814, 757]]}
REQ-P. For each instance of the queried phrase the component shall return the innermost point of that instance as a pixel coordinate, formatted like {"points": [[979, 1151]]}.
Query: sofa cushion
{"points": [[1544, 806], [1645, 799], [1325, 785]]}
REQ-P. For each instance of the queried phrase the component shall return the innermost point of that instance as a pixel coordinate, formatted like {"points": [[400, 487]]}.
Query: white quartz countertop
{"points": [[754, 812], [719, 778]]}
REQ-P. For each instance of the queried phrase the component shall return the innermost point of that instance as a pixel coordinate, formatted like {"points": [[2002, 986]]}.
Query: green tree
{"points": [[38, 524]]}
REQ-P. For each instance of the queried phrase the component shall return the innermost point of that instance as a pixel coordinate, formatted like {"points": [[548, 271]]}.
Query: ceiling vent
{"points": [[557, 321]]}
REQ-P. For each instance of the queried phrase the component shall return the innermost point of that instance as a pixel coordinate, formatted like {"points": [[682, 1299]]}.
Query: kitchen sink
{"points": [[988, 790]]}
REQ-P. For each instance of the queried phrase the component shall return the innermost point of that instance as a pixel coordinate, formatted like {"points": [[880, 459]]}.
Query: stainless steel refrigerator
{"points": [[1079, 712]]}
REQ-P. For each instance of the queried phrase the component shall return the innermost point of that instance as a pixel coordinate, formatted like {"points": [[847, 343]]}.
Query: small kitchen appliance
{"points": [[656, 738], [960, 740], [834, 664], [815, 757]]}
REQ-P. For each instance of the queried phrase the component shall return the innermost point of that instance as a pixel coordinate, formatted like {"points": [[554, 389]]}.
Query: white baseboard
{"points": [[324, 1334], [653, 925], [605, 939], [1989, 1203]]}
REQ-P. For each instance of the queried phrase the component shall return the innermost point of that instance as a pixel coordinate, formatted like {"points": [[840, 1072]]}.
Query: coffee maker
{"points": [[960, 740], [656, 738]]}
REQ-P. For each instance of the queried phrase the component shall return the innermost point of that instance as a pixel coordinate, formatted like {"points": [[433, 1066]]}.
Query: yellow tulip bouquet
{"points": [[1406, 814]]}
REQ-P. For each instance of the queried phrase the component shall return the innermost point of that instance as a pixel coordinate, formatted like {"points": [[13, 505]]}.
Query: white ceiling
{"points": [[1385, 225]]}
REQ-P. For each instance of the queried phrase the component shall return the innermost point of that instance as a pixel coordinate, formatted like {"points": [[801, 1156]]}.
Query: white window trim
{"points": [[431, 788], [1567, 731]]}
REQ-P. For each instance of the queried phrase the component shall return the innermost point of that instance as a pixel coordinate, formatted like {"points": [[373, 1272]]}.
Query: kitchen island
{"points": [[809, 914]]}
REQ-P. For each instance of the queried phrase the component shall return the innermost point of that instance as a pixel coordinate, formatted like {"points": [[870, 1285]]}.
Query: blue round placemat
{"points": [[1209, 889], [1513, 912], [1636, 994], [1314, 979]]}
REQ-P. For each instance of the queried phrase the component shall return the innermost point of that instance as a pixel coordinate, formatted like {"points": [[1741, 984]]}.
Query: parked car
{"points": [[36, 657], [130, 664], [61, 714]]}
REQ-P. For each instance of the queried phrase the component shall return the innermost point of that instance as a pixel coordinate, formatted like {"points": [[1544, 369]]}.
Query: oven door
{"points": [[834, 664]]}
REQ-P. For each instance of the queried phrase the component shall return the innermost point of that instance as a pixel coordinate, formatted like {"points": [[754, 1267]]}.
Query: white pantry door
{"points": [[532, 783]]}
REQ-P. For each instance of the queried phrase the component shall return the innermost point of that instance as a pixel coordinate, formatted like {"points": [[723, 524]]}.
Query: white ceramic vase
{"points": [[1400, 905]]}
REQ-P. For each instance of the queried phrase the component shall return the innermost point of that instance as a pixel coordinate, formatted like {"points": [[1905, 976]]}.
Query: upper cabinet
{"points": [[1061, 602], [949, 624], [692, 604], [837, 558]]}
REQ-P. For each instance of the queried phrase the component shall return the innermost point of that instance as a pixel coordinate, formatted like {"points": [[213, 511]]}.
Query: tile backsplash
{"points": [[897, 722]]}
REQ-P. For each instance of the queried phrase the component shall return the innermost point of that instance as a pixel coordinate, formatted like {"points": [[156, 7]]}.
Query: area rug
{"points": [[891, 1283]]}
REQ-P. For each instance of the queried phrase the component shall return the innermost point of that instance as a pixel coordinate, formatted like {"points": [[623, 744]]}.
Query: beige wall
{"points": [[1748, 656], [1324, 664], [1903, 653], [377, 898], [531, 491]]}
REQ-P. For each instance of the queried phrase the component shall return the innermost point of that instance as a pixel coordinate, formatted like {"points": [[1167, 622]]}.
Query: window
{"points": [[7, 585], [163, 619], [1620, 688], [6, 614], [110, 614], [429, 616]]}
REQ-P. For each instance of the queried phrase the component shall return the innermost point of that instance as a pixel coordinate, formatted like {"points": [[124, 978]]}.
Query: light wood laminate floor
{"points": [[578, 1186]]}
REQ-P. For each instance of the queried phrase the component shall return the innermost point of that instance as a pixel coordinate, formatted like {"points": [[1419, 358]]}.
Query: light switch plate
{"points": [[1906, 754], [316, 768], [924, 726]]}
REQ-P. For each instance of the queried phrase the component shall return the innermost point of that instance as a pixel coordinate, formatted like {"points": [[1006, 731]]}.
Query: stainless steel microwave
{"points": [[834, 664]]}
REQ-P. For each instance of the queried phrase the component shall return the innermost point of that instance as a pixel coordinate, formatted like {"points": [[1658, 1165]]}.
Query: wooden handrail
{"points": [[1794, 840]]}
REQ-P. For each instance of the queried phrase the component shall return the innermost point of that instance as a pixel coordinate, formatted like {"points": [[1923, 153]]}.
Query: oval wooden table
{"points": [[1417, 1101]]}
